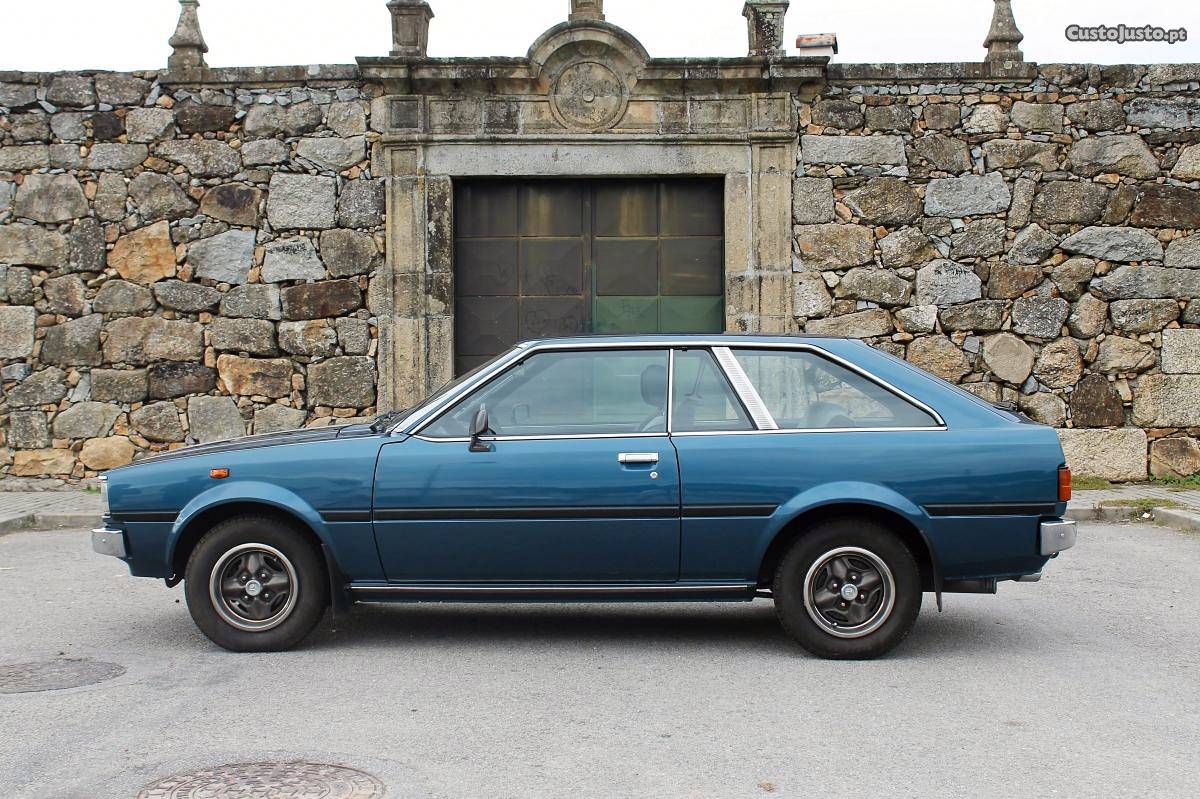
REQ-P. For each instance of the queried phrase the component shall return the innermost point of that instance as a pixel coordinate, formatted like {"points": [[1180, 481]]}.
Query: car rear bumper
{"points": [[1056, 535], [110, 542]]}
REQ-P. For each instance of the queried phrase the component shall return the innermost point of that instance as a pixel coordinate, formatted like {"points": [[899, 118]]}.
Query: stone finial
{"points": [[410, 28], [765, 19], [187, 45], [587, 9], [1003, 37]]}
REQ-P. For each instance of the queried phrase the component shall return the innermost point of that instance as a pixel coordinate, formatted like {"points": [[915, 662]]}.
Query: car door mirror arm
{"points": [[479, 426]]}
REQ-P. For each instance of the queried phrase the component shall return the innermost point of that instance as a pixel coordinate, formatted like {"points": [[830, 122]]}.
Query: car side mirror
{"points": [[479, 426]]}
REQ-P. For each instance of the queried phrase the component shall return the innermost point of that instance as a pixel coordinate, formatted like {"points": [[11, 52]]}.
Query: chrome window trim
{"points": [[416, 422], [549, 437], [745, 389], [791, 430], [668, 409]]}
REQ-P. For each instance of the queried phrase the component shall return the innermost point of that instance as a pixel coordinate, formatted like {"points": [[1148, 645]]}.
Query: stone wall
{"points": [[1033, 239], [181, 263], [185, 262]]}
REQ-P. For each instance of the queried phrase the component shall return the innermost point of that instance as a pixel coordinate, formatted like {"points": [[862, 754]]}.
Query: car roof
{"points": [[699, 338]]}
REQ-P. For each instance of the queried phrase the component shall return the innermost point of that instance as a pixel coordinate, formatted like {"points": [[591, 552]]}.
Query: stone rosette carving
{"points": [[588, 95]]}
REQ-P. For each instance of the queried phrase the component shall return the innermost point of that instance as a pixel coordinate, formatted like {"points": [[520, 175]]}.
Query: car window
{"points": [[804, 391], [703, 400], [569, 393]]}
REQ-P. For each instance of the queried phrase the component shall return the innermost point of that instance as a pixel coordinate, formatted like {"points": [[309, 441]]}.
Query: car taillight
{"points": [[1064, 484]]}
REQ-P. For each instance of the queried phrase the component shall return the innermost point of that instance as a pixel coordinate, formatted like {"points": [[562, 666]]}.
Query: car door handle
{"points": [[638, 457]]}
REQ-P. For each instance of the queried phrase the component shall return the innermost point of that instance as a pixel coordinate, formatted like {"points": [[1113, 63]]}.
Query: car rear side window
{"points": [[703, 400], [804, 391]]}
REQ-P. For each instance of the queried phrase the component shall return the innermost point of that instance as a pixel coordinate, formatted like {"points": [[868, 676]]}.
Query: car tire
{"points": [[284, 590], [848, 589]]}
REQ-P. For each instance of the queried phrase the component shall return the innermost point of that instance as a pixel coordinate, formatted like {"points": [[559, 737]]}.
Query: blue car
{"points": [[832, 478]]}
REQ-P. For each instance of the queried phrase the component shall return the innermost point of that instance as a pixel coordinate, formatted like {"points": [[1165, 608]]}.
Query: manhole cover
{"points": [[268, 781], [55, 675]]}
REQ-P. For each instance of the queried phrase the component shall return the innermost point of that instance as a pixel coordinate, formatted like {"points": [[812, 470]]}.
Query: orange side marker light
{"points": [[221, 474]]}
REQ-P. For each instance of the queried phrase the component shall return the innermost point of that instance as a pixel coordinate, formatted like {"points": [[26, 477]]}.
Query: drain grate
{"points": [[55, 675], [263, 780]]}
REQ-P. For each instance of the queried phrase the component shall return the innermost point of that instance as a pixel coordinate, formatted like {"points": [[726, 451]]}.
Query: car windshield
{"points": [[385, 420]]}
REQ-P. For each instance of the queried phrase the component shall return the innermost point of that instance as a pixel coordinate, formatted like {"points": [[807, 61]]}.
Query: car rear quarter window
{"points": [[805, 391]]}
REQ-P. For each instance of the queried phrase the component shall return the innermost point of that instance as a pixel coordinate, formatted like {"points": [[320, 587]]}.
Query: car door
{"points": [[578, 482]]}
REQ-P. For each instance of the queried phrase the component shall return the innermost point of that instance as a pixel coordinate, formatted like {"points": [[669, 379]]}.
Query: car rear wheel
{"points": [[848, 589], [254, 584]]}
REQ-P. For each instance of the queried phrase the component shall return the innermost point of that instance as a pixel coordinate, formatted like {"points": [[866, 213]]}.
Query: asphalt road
{"points": [[1086, 684]]}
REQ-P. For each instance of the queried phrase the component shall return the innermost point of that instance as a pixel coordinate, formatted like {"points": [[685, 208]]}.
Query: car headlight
{"points": [[104, 493]]}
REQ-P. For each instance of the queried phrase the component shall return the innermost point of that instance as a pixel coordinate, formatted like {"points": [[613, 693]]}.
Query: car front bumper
{"points": [[110, 542], [1056, 535]]}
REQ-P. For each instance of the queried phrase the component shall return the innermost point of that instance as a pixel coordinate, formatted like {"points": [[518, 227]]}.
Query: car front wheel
{"points": [[848, 589], [253, 584]]}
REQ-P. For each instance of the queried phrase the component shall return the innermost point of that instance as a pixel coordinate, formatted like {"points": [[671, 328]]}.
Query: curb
{"points": [[48, 521], [1186, 520]]}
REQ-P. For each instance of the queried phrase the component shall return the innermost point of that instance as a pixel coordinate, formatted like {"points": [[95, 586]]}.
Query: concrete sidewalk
{"points": [[48, 510]]}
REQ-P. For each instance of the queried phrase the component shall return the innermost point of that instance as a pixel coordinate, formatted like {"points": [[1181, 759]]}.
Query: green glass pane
{"points": [[693, 315], [625, 315]]}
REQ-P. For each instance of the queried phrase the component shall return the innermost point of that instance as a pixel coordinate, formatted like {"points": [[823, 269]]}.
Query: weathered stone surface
{"points": [[354, 335], [116, 157], [986, 118], [980, 239], [225, 258], [1059, 364], [1040, 316], [148, 125], [158, 422], [18, 285], [139, 340], [1167, 400], [205, 118], [854, 150], [1095, 403], [267, 377], [944, 153], [202, 158], [1072, 275], [1187, 167], [834, 246], [145, 255], [1125, 155], [864, 324], [938, 355], [1045, 408], [301, 201], [108, 127], [316, 338], [26, 244], [1115, 244], [1181, 351], [17, 95], [277, 418], [982, 316], [42, 462], [170, 380], [942, 117], [1184, 252], [1069, 202], [885, 201], [906, 247], [73, 343], [812, 201], [111, 195], [1011, 154], [1032, 245], [16, 331], [349, 252], [1038, 117], [50, 199], [71, 90], [917, 319], [263, 121], [944, 282], [1109, 454], [159, 197], [65, 295], [347, 118], [1009, 281], [264, 152], [1148, 282], [1174, 457], [361, 204], [320, 300], [8, 190], [20, 159], [333, 153], [256, 300], [86, 420], [292, 259], [1191, 314], [186, 297], [101, 454], [214, 419], [255, 336], [1119, 355], [1097, 115], [810, 296], [235, 203], [41, 388], [881, 286], [28, 430], [116, 385], [69, 127], [969, 195], [1143, 316], [1120, 203], [85, 247], [889, 117], [347, 382], [1008, 357], [30, 128], [839, 114], [120, 296], [1167, 206]]}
